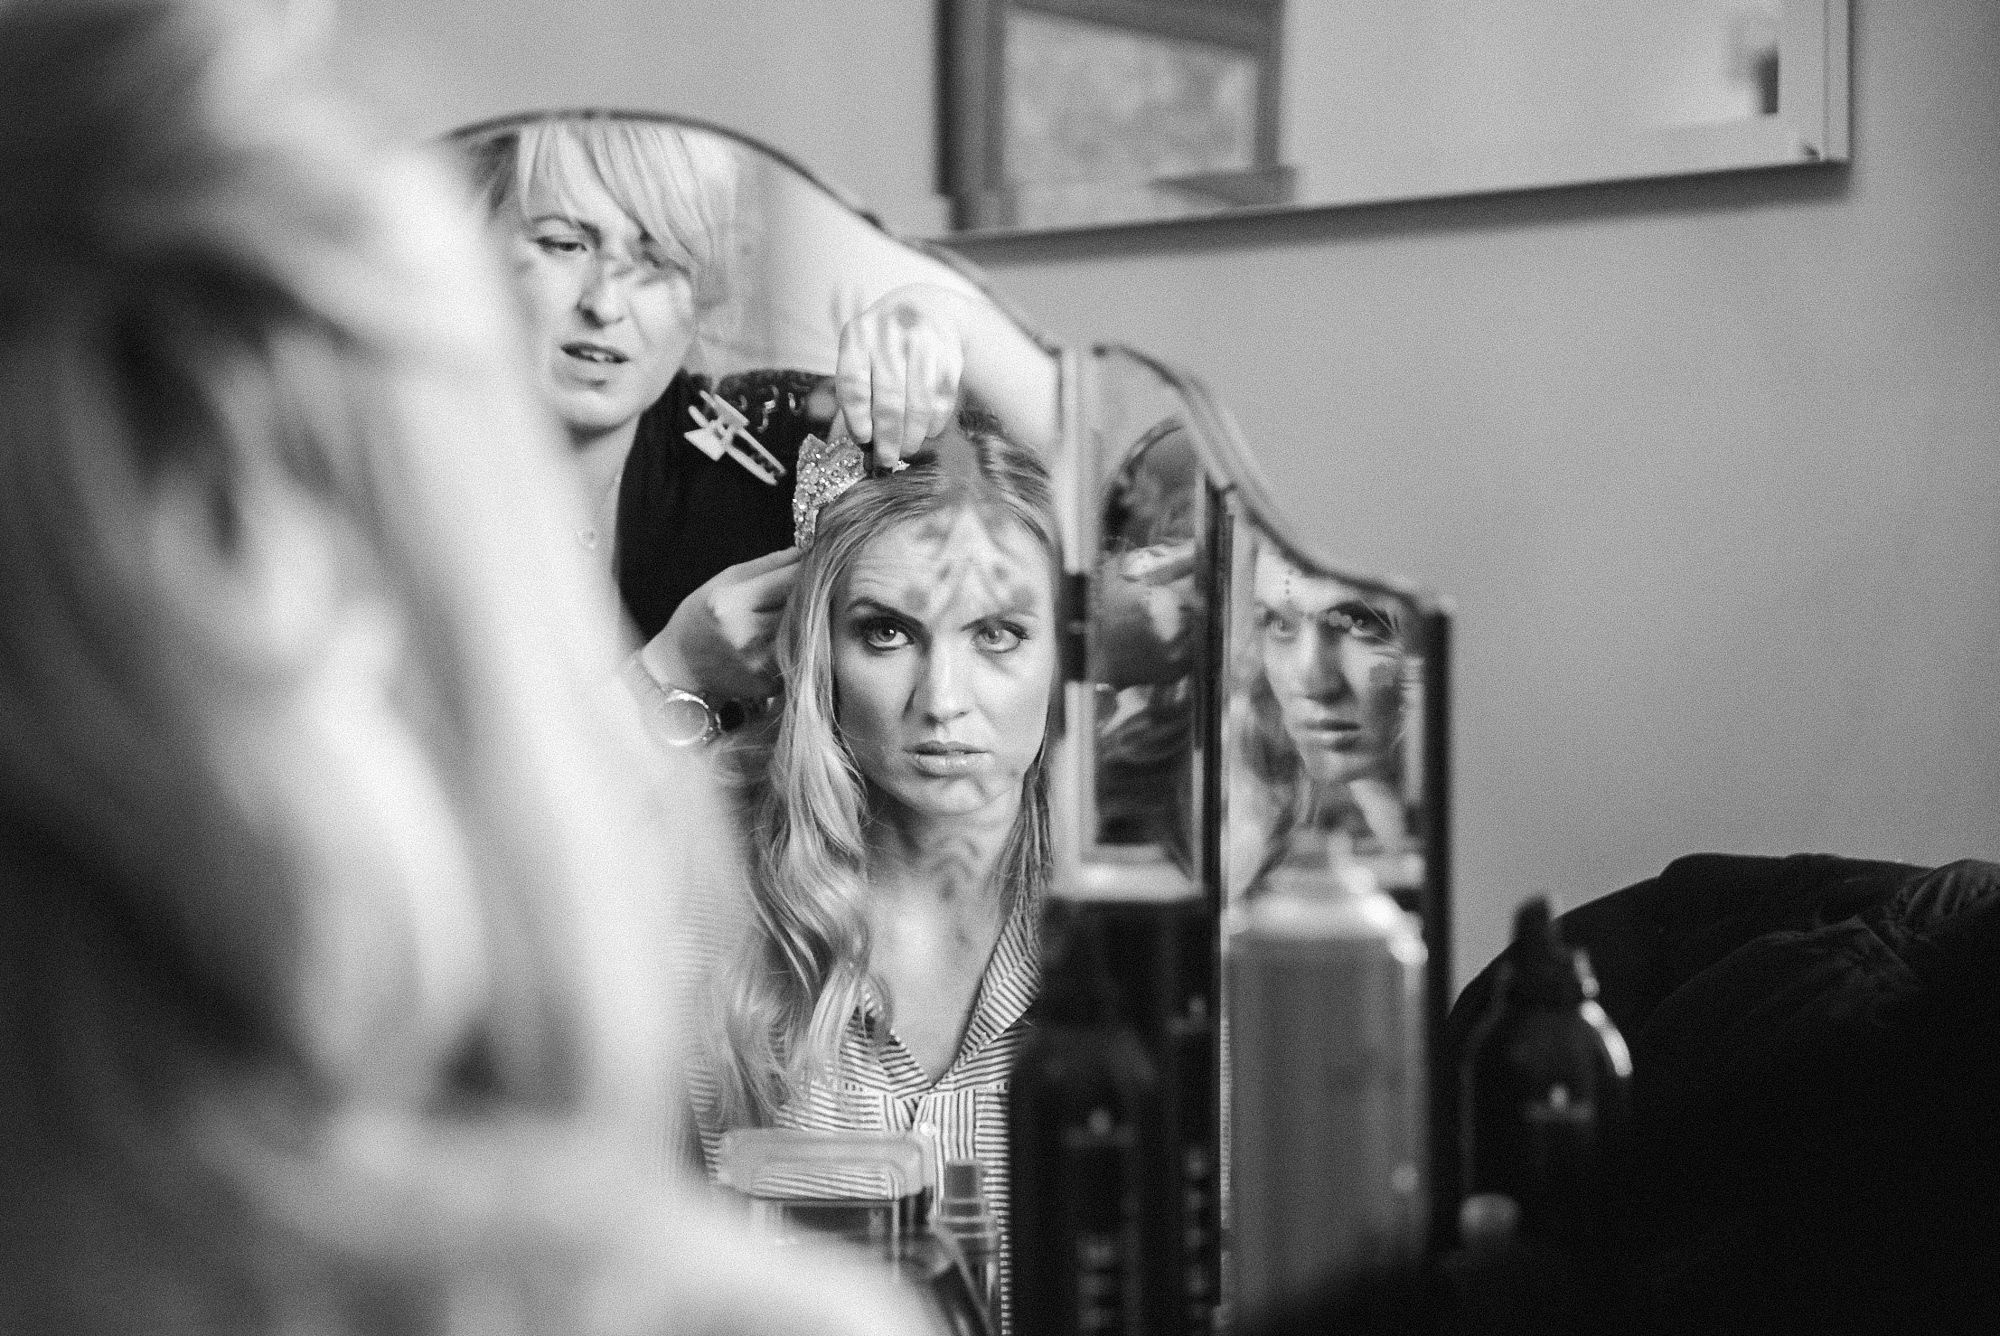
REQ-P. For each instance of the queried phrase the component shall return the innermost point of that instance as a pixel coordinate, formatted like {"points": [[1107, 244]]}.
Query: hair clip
{"points": [[826, 469], [713, 436]]}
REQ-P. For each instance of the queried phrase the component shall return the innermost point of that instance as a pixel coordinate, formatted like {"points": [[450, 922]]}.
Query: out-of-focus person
{"points": [[333, 982]]}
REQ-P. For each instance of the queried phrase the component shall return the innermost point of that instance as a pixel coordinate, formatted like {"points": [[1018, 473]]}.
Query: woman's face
{"points": [[943, 663], [610, 316], [1334, 665]]}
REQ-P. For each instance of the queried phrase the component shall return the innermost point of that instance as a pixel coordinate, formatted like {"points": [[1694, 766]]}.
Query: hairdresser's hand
{"points": [[901, 361], [1148, 609], [721, 640]]}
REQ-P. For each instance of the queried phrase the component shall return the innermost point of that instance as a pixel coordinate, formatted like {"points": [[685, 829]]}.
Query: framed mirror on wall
{"points": [[1076, 113]]}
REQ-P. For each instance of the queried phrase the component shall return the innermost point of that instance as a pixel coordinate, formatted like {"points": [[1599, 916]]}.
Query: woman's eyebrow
{"points": [[1017, 603], [590, 230], [869, 603]]}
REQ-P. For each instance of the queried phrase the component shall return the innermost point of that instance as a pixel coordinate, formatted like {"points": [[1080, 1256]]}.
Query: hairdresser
{"points": [[618, 231]]}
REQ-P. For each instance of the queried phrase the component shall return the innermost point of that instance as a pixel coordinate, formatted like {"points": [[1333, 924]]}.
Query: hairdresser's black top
{"points": [[683, 517]]}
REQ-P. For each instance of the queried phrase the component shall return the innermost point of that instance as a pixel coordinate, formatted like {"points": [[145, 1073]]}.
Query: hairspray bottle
{"points": [[1324, 976]]}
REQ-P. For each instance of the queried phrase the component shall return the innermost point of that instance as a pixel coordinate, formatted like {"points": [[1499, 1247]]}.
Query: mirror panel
{"points": [[759, 267], [1143, 821], [798, 259], [1252, 700]]}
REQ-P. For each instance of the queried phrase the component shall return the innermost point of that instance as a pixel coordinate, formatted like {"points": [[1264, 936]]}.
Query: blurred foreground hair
{"points": [[332, 995]]}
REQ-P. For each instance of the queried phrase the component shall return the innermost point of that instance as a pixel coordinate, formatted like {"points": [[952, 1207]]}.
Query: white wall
{"points": [[844, 85], [1710, 466]]}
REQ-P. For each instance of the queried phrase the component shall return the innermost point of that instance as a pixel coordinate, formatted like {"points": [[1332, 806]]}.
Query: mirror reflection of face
{"points": [[944, 659], [610, 315], [1333, 663]]}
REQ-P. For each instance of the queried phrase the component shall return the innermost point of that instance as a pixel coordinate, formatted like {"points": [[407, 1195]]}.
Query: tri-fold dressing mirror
{"points": [[1230, 691]]}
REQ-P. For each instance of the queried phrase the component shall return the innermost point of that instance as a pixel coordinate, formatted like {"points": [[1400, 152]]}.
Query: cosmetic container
{"points": [[1093, 1252], [873, 1191], [1545, 1091], [963, 1215], [1324, 977]]}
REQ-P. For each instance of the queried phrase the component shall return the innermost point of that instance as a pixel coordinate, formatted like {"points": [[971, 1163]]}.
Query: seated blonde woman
{"points": [[329, 999], [900, 814]]}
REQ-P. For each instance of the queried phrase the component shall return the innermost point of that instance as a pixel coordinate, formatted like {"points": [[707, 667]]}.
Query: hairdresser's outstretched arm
{"points": [[905, 361]]}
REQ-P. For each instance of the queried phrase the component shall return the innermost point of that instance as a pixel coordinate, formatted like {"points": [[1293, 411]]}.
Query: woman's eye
{"points": [[1000, 638], [1366, 624], [1277, 625], [560, 244], [883, 634]]}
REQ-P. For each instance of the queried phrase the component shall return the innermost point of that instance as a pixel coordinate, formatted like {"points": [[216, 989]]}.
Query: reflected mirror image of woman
{"points": [[1319, 729]]}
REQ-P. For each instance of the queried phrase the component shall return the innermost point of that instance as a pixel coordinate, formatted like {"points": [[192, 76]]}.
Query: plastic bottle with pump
{"points": [[1545, 1092]]}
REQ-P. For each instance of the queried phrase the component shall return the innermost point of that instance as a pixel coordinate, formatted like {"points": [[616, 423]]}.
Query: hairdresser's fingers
{"points": [[1160, 564], [768, 590], [894, 386], [917, 396], [937, 367], [764, 565], [851, 377]]}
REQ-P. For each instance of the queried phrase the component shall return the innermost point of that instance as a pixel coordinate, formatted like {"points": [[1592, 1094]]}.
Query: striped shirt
{"points": [[880, 1087]]}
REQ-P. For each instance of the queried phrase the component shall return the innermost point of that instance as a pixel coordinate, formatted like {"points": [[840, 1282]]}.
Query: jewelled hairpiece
{"points": [[826, 469]]}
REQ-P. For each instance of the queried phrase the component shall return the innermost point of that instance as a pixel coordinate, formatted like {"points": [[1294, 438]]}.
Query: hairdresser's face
{"points": [[943, 661], [1334, 665], [610, 316]]}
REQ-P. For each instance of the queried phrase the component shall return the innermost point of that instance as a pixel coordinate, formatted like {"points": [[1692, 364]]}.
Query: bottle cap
{"points": [[1541, 967], [1487, 1221]]}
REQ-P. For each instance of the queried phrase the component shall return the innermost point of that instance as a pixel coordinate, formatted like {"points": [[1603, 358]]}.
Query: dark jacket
{"points": [[683, 517], [1816, 1054]]}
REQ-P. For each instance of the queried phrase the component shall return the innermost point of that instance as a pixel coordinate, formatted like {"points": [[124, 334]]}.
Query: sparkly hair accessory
{"points": [[826, 469]]}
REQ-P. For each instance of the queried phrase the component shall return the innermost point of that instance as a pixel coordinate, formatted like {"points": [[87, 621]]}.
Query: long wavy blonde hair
{"points": [[331, 986], [806, 971]]}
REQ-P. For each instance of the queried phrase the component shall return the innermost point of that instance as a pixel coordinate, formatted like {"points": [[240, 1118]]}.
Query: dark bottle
{"points": [[1162, 956], [1545, 1091], [1084, 1124]]}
